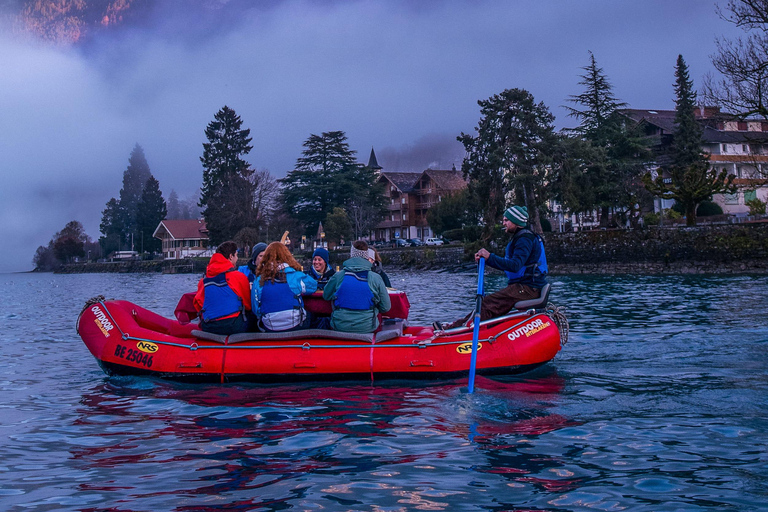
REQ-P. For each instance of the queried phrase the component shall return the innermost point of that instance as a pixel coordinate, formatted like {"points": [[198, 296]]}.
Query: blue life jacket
{"points": [[278, 296], [220, 300], [354, 292], [536, 265]]}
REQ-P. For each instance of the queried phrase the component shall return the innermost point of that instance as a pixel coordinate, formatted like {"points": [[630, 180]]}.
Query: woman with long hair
{"points": [[277, 291]]}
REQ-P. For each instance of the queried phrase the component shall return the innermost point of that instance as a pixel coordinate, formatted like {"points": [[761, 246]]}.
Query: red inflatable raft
{"points": [[129, 340]]}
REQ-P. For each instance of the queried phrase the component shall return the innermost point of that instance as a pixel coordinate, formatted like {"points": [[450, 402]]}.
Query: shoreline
{"points": [[730, 249]]}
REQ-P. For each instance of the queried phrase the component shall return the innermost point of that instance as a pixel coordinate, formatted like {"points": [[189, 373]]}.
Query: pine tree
{"points": [[111, 227], [134, 179], [512, 153], [228, 190], [327, 176], [692, 181], [615, 151], [174, 207], [151, 210]]}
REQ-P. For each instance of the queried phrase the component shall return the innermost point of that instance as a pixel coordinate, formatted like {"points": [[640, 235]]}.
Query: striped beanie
{"points": [[517, 215]]}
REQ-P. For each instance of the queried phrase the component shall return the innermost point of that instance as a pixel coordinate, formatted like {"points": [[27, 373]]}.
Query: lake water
{"points": [[659, 402]]}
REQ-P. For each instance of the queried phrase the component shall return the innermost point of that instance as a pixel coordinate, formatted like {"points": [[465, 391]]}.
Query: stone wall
{"points": [[711, 244]]}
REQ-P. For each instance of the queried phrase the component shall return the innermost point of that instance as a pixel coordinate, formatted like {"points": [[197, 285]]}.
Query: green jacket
{"points": [[350, 320]]}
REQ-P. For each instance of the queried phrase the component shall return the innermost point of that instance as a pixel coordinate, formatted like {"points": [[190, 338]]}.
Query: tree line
{"points": [[514, 155]]}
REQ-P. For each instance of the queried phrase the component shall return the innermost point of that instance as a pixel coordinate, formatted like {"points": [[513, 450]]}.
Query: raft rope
{"points": [[557, 314], [99, 299]]}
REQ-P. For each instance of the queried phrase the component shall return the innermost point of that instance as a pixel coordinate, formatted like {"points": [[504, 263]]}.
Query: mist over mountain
{"points": [[78, 22], [83, 81]]}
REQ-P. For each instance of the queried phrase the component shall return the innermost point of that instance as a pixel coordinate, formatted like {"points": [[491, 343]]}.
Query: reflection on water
{"points": [[657, 403]]}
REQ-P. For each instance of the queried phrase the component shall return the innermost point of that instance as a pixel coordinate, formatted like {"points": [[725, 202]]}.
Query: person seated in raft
{"points": [[357, 293], [250, 268], [375, 259], [277, 290], [321, 271], [223, 295], [524, 262]]}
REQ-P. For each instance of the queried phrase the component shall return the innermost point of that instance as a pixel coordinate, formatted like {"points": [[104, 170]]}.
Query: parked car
{"points": [[399, 242], [433, 241], [414, 242]]}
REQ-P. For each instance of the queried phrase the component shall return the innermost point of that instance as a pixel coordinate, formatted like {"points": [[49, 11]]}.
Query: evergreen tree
{"points": [[327, 176], [227, 195], [692, 181], [111, 228], [453, 212], [151, 210], [337, 226], [615, 151], [510, 154], [134, 179], [174, 207]]}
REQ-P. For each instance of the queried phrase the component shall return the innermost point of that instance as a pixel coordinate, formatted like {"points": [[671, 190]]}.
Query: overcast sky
{"points": [[402, 77]]}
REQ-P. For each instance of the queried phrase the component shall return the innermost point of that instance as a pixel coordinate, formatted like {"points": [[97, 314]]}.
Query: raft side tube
{"points": [[295, 335]]}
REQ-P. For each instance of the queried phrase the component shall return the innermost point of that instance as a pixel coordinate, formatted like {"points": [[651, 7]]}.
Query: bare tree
{"points": [[742, 63]]}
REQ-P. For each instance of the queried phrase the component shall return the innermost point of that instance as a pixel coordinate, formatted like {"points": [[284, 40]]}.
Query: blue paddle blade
{"points": [[476, 331]]}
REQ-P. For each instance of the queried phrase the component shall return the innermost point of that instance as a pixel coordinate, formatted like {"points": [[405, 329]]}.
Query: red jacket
{"points": [[236, 280]]}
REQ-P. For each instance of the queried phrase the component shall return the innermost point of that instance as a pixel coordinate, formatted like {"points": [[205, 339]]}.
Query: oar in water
{"points": [[476, 332]]}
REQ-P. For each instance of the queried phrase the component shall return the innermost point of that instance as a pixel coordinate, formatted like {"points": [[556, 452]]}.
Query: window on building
{"points": [[405, 216], [742, 126], [731, 198], [724, 149], [745, 148], [402, 200], [750, 195]]}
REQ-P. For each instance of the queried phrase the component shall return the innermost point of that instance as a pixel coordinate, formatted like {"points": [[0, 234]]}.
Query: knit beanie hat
{"points": [[517, 215], [323, 253], [258, 249]]}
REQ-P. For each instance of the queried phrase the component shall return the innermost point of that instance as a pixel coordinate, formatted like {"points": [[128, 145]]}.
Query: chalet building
{"points": [[183, 238], [409, 196], [739, 147]]}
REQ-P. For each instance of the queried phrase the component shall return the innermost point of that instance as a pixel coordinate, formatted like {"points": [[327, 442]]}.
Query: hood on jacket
{"points": [[357, 264], [217, 264]]}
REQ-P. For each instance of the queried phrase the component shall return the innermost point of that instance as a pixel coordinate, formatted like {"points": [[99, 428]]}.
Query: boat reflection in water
{"points": [[165, 445]]}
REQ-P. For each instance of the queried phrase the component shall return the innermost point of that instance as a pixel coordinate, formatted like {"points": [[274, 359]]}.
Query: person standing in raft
{"points": [[277, 291], [256, 254], [321, 271], [524, 262], [223, 295], [358, 294]]}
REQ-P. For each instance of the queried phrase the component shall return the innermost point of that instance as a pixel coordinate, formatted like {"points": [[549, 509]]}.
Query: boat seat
{"points": [[295, 335], [537, 303]]}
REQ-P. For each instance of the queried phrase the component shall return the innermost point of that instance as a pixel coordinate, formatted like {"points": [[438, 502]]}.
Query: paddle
{"points": [[476, 332]]}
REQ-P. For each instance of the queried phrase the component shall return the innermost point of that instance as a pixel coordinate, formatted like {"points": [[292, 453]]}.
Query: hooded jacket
{"points": [[298, 284], [357, 320], [235, 280]]}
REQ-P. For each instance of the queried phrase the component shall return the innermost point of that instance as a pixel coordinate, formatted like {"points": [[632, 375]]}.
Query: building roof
{"points": [[188, 229], [735, 137], [404, 181], [664, 119], [372, 163], [447, 180]]}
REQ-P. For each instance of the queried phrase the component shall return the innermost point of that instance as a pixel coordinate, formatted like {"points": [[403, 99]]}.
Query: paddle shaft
{"points": [[476, 331]]}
